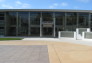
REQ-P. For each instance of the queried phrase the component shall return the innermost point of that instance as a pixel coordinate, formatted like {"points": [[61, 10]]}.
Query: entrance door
{"points": [[47, 32]]}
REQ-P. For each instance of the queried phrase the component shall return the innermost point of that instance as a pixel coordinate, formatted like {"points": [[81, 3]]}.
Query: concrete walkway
{"points": [[69, 40], [24, 54], [59, 52]]}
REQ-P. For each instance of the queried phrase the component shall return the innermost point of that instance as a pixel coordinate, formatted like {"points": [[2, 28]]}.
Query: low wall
{"points": [[86, 35], [66, 34]]}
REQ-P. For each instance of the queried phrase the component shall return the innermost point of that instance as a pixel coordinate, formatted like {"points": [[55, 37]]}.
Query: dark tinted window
{"points": [[23, 23], [47, 16], [35, 18], [83, 20], [1, 14], [60, 18], [11, 18], [1, 18]]}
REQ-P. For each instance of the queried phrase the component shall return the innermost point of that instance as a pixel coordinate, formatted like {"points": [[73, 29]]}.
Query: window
{"points": [[23, 23], [35, 31], [71, 21], [35, 18], [47, 16], [83, 20], [60, 18], [11, 18], [1, 14]]}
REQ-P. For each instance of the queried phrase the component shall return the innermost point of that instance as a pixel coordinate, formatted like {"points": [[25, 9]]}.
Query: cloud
{"points": [[76, 7], [18, 2], [6, 6], [15, 5], [84, 1], [25, 5], [53, 5], [64, 4], [1, 0], [22, 5]]}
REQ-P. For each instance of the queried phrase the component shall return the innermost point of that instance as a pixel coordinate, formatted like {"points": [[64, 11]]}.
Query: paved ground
{"points": [[24, 54], [69, 40], [60, 52]]}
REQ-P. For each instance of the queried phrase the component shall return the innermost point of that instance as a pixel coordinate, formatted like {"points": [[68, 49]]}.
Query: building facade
{"points": [[42, 22]]}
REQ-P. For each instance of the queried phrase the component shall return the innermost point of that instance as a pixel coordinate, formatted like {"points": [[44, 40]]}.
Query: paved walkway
{"points": [[59, 52], [68, 40], [24, 54]]}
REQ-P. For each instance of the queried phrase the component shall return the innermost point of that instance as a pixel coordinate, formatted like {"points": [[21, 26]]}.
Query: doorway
{"points": [[47, 32]]}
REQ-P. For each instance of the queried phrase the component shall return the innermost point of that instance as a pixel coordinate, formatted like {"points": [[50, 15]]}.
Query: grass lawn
{"points": [[10, 38]]}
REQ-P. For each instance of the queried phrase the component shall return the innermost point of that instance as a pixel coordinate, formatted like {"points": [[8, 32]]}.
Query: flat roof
{"points": [[46, 10]]}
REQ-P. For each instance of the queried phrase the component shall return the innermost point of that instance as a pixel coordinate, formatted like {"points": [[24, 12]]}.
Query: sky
{"points": [[46, 4]]}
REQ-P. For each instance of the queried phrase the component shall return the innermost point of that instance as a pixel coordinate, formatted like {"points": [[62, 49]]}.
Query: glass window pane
{"points": [[35, 31], [1, 18], [11, 18], [83, 20], [59, 22], [71, 21], [23, 23], [60, 18], [1, 31], [35, 18], [47, 16], [1, 14]]}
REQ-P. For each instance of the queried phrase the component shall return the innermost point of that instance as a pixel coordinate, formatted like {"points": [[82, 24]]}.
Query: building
{"points": [[42, 22]]}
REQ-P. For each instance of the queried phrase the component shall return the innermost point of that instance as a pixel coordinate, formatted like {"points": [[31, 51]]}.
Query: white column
{"points": [[59, 34], [88, 30], [83, 35], [75, 37], [41, 25], [29, 29]]}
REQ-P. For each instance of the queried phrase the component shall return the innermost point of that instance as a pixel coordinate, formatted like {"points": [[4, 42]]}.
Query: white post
{"points": [[75, 35], [83, 35], [77, 32], [88, 29], [59, 34]]}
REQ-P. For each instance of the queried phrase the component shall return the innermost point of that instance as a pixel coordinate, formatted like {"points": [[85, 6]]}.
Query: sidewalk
{"points": [[82, 42]]}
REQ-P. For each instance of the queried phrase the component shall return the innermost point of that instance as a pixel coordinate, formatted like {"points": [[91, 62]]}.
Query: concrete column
{"points": [[54, 20], [89, 22], [41, 25], [83, 35], [59, 34], [5, 33], [65, 21], [17, 24], [29, 29], [77, 19]]}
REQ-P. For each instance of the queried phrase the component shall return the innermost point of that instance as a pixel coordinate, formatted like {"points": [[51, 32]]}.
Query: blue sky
{"points": [[46, 4]]}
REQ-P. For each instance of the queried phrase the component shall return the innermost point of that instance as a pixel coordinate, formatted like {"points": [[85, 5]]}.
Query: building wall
{"points": [[42, 24]]}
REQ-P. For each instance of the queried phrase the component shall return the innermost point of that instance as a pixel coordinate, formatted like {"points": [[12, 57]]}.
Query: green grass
{"points": [[10, 38]]}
